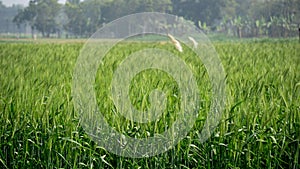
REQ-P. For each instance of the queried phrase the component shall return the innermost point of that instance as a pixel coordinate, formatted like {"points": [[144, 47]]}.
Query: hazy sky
{"points": [[23, 2]]}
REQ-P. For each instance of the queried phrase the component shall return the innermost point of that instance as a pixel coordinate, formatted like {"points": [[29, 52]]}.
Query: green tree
{"points": [[27, 16], [47, 11], [279, 14], [76, 21], [114, 9], [154, 6], [40, 14], [92, 13], [206, 11], [84, 18]]}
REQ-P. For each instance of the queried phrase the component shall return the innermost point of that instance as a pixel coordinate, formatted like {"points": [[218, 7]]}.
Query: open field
{"points": [[260, 127]]}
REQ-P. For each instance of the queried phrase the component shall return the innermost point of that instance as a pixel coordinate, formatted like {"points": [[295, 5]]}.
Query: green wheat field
{"points": [[260, 126]]}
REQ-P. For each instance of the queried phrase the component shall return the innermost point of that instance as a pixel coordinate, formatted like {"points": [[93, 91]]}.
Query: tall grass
{"points": [[260, 127]]}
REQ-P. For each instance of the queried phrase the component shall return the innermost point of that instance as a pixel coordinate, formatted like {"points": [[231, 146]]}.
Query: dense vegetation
{"points": [[260, 126], [273, 18]]}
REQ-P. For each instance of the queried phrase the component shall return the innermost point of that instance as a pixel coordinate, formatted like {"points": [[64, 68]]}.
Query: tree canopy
{"points": [[276, 18]]}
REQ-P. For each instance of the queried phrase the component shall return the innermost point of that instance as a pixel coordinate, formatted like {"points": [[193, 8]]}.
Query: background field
{"points": [[260, 127]]}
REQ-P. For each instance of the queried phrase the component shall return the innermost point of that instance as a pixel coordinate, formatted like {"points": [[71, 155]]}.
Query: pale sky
{"points": [[23, 2]]}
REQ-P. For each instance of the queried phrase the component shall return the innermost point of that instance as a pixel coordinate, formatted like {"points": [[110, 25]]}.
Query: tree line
{"points": [[6, 16], [255, 18]]}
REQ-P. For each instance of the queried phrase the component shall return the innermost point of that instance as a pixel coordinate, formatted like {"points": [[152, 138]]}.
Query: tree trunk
{"points": [[239, 32], [32, 32], [299, 33]]}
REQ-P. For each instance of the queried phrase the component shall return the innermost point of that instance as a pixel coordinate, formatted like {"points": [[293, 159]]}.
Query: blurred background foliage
{"points": [[77, 18]]}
